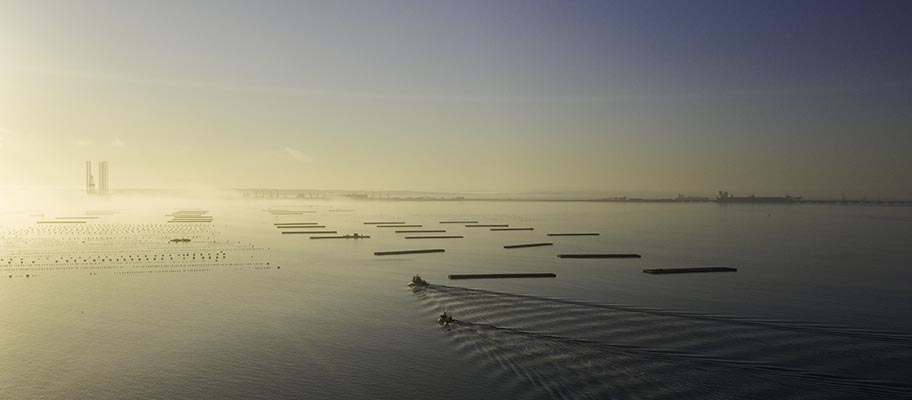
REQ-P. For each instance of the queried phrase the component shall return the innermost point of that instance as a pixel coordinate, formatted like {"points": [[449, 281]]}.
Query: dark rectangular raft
{"points": [[400, 226], [512, 229], [500, 276], [340, 237], [299, 226], [295, 223], [398, 252], [423, 231], [659, 271], [458, 222], [433, 237], [520, 246], [615, 255], [487, 226], [60, 222], [383, 222], [574, 234], [309, 232]]}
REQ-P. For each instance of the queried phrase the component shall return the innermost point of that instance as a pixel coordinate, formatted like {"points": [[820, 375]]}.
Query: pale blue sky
{"points": [[809, 98]]}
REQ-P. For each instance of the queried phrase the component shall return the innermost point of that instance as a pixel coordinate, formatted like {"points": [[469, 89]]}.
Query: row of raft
{"points": [[400, 224], [493, 227], [655, 271]]}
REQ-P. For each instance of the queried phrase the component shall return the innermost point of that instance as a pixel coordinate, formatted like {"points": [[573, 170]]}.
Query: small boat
{"points": [[417, 281], [445, 319]]}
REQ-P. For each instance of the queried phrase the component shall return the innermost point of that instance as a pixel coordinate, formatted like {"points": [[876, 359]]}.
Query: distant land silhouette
{"points": [[722, 197]]}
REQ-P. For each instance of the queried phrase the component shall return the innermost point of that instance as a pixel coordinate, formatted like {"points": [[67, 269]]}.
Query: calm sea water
{"points": [[820, 307]]}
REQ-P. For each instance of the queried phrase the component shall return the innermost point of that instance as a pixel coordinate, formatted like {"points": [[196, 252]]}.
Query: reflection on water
{"points": [[101, 301]]}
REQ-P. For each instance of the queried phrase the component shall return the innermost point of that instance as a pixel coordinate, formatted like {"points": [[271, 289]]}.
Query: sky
{"points": [[769, 97]]}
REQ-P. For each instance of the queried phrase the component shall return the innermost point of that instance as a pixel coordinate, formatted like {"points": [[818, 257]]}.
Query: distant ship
{"points": [[725, 197]]}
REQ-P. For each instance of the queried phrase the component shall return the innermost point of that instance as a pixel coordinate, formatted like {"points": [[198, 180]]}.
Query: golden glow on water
{"points": [[129, 308]]}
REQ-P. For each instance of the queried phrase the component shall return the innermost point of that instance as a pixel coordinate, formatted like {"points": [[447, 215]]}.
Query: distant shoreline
{"points": [[315, 195]]}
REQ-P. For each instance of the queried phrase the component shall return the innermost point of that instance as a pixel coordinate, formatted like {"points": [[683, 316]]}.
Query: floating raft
{"points": [[487, 226], [295, 223], [458, 222], [383, 222], [574, 234], [60, 222], [499, 276], [433, 237], [299, 226], [616, 255], [77, 217], [309, 232], [512, 229], [398, 252], [659, 271], [340, 237], [423, 231], [520, 246], [400, 226]]}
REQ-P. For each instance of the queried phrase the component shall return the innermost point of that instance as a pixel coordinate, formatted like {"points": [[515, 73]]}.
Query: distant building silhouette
{"points": [[103, 177], [726, 197], [102, 187], [90, 180]]}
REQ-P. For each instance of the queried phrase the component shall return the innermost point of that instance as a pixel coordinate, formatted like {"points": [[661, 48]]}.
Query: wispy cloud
{"points": [[614, 96], [118, 143], [297, 155], [311, 93], [3, 134], [83, 143], [11, 137]]}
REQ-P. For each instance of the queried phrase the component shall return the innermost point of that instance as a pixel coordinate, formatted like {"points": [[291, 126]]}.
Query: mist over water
{"points": [[820, 306], [761, 149]]}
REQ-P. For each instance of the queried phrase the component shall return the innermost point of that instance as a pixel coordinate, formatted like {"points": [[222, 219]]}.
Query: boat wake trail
{"points": [[554, 348]]}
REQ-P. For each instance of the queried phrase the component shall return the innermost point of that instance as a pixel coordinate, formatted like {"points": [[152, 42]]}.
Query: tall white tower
{"points": [[90, 180], [103, 177]]}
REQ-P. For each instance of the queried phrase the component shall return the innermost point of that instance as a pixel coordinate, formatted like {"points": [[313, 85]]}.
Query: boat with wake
{"points": [[417, 281]]}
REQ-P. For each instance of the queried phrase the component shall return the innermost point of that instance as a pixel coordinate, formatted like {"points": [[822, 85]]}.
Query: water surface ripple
{"points": [[558, 348]]}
